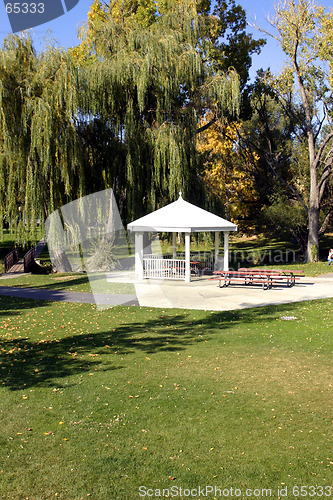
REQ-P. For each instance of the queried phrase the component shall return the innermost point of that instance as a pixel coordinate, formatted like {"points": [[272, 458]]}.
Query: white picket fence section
{"points": [[155, 266]]}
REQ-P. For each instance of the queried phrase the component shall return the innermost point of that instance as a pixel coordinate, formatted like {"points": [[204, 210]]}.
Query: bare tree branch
{"points": [[324, 177], [325, 224], [321, 149], [277, 175], [321, 122]]}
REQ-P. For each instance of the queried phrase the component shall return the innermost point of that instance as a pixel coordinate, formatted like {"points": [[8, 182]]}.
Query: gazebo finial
{"points": [[180, 194]]}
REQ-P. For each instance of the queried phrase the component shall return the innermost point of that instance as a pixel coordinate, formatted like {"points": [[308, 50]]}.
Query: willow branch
{"points": [[206, 126]]}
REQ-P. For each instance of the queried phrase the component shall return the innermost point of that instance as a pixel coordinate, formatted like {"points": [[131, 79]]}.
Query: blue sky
{"points": [[64, 30]]}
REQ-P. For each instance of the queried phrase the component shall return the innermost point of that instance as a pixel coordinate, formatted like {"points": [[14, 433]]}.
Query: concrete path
{"points": [[39, 248], [13, 275], [205, 294], [201, 293], [101, 299]]}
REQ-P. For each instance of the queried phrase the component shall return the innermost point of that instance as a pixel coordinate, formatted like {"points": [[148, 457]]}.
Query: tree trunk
{"points": [[61, 262], [312, 253], [111, 227]]}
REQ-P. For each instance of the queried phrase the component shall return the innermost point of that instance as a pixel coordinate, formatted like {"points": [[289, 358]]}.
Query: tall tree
{"points": [[304, 31], [275, 132], [40, 157], [122, 110], [148, 82], [232, 46]]}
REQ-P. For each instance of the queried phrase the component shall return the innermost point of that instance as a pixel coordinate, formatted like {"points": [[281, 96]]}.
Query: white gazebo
{"points": [[177, 217]]}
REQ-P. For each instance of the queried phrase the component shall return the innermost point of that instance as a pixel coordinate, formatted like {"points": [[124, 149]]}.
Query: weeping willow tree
{"points": [[40, 155], [148, 81], [121, 111]]}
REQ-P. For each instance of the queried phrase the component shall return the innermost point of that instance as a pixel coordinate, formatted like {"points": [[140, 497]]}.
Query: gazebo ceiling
{"points": [[183, 217]]}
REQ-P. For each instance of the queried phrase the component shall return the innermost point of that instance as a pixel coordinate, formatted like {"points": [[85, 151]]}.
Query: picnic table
{"points": [[196, 267], [264, 277], [294, 274]]}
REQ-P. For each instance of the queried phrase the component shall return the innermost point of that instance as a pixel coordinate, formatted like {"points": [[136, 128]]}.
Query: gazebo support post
{"points": [[139, 255], [187, 257], [174, 245], [217, 245], [226, 251]]}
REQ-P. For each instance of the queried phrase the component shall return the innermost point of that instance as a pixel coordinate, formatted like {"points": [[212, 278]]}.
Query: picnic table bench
{"points": [[294, 274], [265, 277]]}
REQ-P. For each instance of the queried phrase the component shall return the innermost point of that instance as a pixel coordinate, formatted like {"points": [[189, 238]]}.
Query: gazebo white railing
{"points": [[156, 266], [171, 266]]}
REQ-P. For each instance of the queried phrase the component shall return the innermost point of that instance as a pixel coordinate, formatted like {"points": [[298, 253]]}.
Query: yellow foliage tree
{"points": [[229, 170]]}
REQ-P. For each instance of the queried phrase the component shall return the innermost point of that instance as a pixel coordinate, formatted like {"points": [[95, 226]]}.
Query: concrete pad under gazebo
{"points": [[177, 217]]}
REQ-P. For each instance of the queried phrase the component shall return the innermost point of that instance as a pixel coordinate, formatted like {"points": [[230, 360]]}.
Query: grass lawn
{"points": [[96, 404]]}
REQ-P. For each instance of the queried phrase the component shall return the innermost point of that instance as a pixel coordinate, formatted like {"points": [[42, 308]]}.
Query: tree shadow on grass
{"points": [[260, 243], [65, 283], [57, 282], [10, 306], [25, 363]]}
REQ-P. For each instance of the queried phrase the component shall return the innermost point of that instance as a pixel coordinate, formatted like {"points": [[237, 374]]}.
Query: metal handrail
{"points": [[29, 259], [11, 259]]}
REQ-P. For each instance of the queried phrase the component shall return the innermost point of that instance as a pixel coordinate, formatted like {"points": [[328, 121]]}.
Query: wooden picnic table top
{"points": [[245, 273], [261, 272], [273, 271]]}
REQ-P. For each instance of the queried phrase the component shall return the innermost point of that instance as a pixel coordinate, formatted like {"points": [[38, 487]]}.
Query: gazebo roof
{"points": [[183, 217]]}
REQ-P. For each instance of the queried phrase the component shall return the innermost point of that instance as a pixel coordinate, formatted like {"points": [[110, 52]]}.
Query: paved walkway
{"points": [[39, 248], [206, 294], [101, 299], [201, 293]]}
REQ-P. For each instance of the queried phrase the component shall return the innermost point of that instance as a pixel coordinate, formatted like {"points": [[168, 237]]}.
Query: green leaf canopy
{"points": [[121, 111]]}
